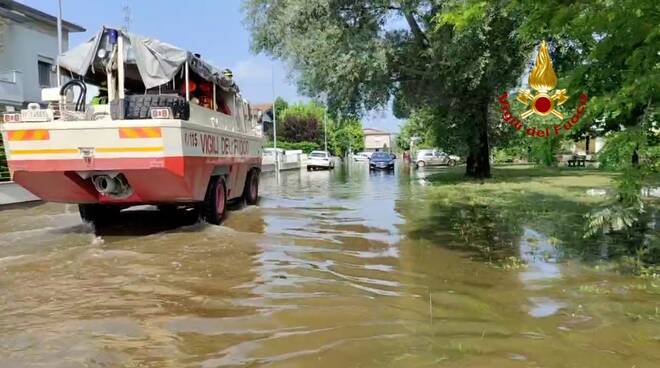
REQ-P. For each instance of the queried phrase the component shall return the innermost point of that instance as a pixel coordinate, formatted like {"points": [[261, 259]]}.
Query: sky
{"points": [[213, 28]]}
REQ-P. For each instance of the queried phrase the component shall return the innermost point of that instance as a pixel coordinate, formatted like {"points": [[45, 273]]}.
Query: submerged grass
{"points": [[492, 216]]}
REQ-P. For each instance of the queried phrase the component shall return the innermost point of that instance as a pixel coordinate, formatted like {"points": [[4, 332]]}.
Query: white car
{"points": [[361, 157], [320, 160], [434, 157]]}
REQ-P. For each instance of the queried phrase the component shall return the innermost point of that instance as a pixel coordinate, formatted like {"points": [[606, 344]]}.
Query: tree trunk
{"points": [[471, 163], [478, 160]]}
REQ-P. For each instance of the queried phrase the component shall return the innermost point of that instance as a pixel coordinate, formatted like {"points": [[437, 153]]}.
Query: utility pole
{"points": [[272, 83], [324, 96], [126, 9], [325, 127], [59, 42]]}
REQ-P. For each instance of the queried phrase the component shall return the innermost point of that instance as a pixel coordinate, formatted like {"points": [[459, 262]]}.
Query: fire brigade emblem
{"points": [[543, 80]]}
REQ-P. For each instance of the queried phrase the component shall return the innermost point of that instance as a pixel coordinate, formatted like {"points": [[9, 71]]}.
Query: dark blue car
{"points": [[381, 161]]}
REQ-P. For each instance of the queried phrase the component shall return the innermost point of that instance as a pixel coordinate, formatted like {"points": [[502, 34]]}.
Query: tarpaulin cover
{"points": [[157, 61]]}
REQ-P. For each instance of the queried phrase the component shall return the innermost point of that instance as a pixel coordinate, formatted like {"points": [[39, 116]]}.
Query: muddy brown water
{"points": [[323, 273]]}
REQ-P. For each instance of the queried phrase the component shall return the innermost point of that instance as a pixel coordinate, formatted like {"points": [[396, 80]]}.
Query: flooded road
{"points": [[328, 271]]}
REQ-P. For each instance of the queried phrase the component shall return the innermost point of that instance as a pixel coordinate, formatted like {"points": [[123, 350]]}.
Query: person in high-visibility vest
{"points": [[102, 97]]}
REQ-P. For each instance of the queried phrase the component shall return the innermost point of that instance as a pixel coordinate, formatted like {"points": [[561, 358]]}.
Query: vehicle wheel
{"points": [[214, 207], [97, 213], [309, 168], [451, 163], [421, 163], [251, 190]]}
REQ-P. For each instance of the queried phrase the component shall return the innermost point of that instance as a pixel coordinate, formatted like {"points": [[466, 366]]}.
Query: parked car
{"points": [[320, 160], [381, 161], [431, 157], [361, 157]]}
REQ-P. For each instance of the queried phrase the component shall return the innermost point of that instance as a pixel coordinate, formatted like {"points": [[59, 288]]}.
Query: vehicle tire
{"points": [[214, 207], [251, 190], [421, 163], [94, 213], [451, 163]]}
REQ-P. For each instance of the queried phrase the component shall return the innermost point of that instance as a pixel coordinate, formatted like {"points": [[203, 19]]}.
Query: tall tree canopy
{"points": [[452, 55], [450, 59]]}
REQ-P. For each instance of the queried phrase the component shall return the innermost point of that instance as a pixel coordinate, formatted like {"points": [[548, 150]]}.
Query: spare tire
{"points": [[138, 106]]}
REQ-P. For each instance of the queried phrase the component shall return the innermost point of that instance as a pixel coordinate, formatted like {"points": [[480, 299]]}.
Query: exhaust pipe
{"points": [[115, 186]]}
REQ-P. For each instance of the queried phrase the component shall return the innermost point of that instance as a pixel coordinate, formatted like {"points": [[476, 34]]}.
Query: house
{"points": [[377, 140], [28, 52], [266, 110]]}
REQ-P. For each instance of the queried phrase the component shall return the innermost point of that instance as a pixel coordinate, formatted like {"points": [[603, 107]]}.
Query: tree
{"points": [[302, 122], [280, 106], [610, 50], [345, 137], [452, 57]]}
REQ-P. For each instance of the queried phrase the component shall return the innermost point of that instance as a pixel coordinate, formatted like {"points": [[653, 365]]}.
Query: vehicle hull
{"points": [[153, 180], [163, 161]]}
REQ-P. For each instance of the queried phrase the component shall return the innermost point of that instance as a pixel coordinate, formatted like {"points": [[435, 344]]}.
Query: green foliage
{"points": [[461, 14], [301, 122], [280, 106], [301, 127], [612, 52], [448, 56], [344, 137], [509, 154], [543, 151], [611, 49], [306, 147], [419, 125], [620, 147]]}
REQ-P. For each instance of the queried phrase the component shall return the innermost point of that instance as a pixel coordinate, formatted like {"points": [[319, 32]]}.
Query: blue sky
{"points": [[213, 28]]}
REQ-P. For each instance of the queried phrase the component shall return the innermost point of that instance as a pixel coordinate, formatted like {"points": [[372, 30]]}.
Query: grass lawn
{"points": [[489, 217], [527, 181]]}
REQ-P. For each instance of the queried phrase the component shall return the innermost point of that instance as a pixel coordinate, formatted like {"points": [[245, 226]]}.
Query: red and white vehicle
{"points": [[171, 131]]}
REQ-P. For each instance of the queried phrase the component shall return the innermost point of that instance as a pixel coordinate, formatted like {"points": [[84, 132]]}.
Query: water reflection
{"points": [[540, 258]]}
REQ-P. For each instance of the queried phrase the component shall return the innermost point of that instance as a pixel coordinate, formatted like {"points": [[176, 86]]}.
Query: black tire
{"points": [[251, 189], [97, 213], [214, 207], [138, 106], [452, 163], [421, 163]]}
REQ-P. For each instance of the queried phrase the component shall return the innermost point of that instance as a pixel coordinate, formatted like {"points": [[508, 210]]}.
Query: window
{"points": [[45, 71]]}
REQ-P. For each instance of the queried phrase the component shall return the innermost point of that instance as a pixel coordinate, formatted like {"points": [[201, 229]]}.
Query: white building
{"points": [[377, 140], [28, 52]]}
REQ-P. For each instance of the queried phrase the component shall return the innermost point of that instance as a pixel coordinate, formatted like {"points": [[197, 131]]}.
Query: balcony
{"points": [[11, 87]]}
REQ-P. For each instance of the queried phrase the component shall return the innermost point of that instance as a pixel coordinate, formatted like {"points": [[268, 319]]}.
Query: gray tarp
{"points": [[79, 58], [157, 62]]}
